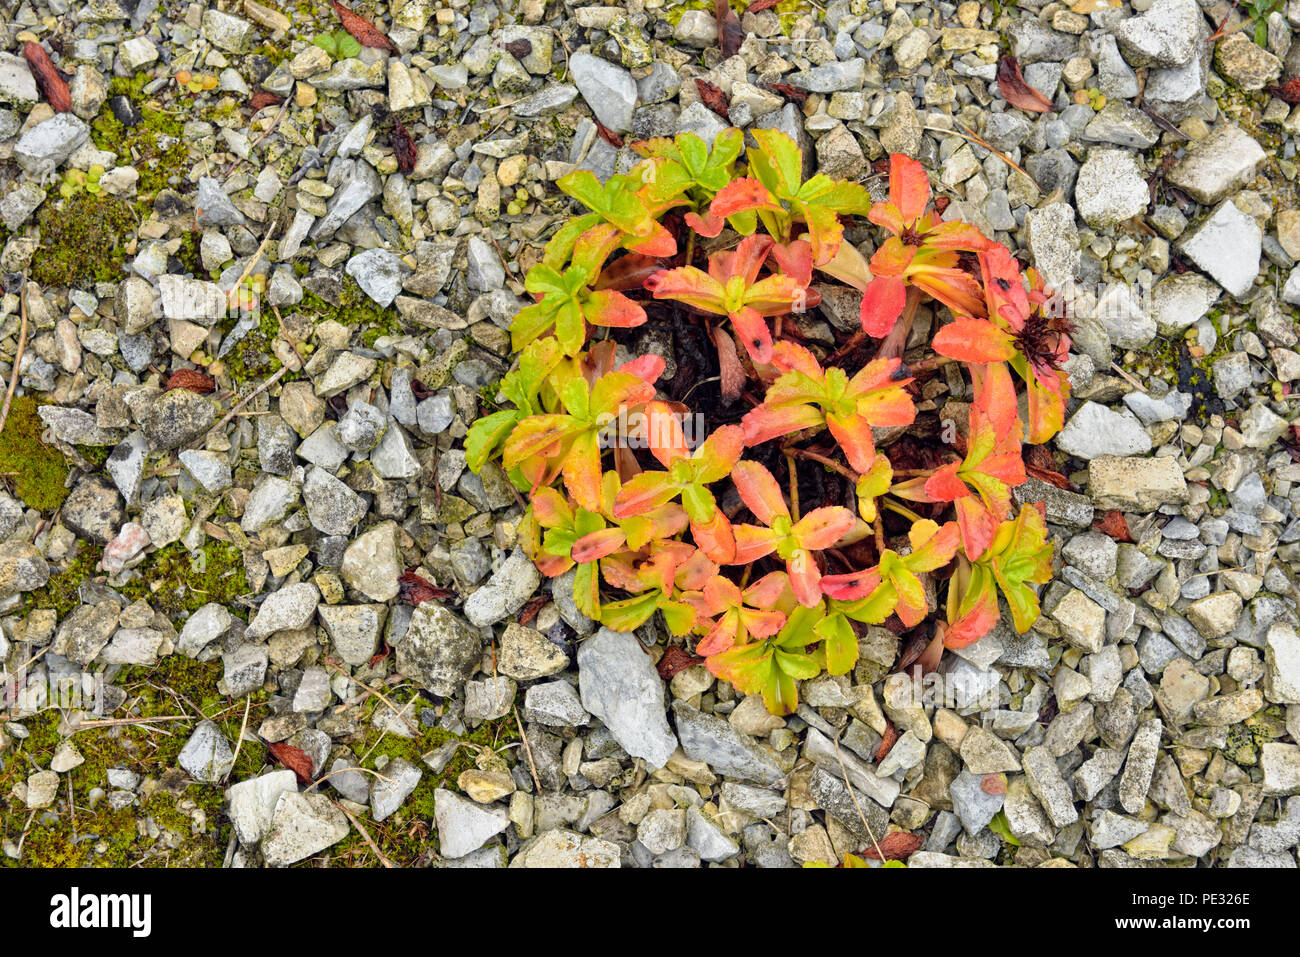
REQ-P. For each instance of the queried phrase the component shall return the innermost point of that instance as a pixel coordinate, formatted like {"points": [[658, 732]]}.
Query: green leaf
{"points": [[348, 45], [486, 435], [1000, 826], [328, 43], [841, 644]]}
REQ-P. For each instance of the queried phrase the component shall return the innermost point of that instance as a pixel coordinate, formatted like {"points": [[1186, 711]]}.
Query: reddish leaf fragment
{"points": [[262, 99], [730, 371], [295, 759], [1016, 91], [994, 784], [609, 136], [376, 658], [758, 5], [519, 48], [362, 30], [941, 203], [535, 605], [192, 379], [675, 659], [1113, 524], [730, 35], [413, 589], [895, 846], [420, 390], [403, 147], [53, 87], [1288, 92], [887, 743], [792, 93], [1049, 476], [712, 97]]}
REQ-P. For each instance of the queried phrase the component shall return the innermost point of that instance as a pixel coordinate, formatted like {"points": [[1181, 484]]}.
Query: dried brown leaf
{"points": [[730, 34], [792, 93], [262, 99], [887, 742], [295, 759], [413, 589], [365, 32], [675, 659], [895, 846], [403, 147], [730, 371], [1112, 523], [1288, 92], [713, 97], [192, 379], [53, 87], [759, 5], [1016, 91], [608, 135]]}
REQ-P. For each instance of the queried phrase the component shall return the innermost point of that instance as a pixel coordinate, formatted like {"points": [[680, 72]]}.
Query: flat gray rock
{"points": [[619, 685]]}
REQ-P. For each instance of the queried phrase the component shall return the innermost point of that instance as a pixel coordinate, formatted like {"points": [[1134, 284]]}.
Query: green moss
{"points": [[154, 145], [355, 310], [167, 826], [33, 470], [410, 834], [60, 592], [82, 240], [252, 358], [176, 582]]}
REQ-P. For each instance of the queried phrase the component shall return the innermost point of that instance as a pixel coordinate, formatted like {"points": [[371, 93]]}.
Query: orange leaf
{"points": [[712, 97], [1114, 525], [887, 742]]}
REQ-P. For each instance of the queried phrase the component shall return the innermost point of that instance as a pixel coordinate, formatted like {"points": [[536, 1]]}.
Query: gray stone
{"points": [[608, 89], [206, 756], [303, 825], [1226, 245], [464, 826], [506, 591], [715, 742], [1096, 430], [253, 802], [354, 630], [440, 651], [619, 685], [387, 794], [1217, 165], [1110, 188], [290, 607]]}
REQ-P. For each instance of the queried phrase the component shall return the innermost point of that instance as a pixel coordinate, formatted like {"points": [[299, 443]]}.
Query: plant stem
{"points": [[794, 485], [930, 365], [848, 473], [900, 509]]}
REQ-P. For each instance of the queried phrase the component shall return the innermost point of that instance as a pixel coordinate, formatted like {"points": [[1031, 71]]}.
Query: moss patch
{"points": [[154, 145], [176, 582], [174, 822], [82, 241], [408, 837], [33, 470]]}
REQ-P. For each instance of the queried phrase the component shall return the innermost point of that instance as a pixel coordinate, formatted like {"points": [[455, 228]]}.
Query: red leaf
{"points": [[403, 147], [608, 135], [788, 91], [362, 29], [531, 609], [713, 97], [994, 784], [381, 655], [1288, 92], [519, 49], [1016, 91], [414, 590], [730, 35], [262, 99], [1114, 525], [895, 846], [295, 759], [730, 371], [675, 659], [758, 5], [1050, 477], [53, 87], [192, 379], [887, 742]]}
